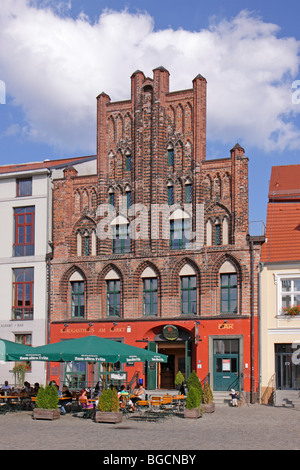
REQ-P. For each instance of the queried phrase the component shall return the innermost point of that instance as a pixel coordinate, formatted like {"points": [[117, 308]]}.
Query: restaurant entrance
{"points": [[176, 362], [176, 344]]}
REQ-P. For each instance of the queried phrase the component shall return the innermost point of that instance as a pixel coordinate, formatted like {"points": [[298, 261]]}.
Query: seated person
{"points": [[36, 388], [5, 388], [138, 394], [66, 403], [123, 394], [83, 399]]}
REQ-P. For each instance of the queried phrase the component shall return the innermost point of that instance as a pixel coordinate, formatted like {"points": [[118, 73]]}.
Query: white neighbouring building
{"points": [[25, 254]]}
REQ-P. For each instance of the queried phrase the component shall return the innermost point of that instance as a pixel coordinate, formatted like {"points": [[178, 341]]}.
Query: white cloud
{"points": [[54, 66]]}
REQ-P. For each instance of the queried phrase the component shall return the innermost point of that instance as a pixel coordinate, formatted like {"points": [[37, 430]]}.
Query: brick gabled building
{"points": [[152, 250]]}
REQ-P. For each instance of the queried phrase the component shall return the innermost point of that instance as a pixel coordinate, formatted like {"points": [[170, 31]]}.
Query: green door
{"points": [[152, 369], [226, 363]]}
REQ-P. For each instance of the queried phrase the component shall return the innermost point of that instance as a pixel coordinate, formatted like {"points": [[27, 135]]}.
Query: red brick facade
{"points": [[136, 142]]}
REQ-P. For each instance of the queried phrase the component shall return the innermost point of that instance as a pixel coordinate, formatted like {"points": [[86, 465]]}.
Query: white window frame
{"points": [[278, 281]]}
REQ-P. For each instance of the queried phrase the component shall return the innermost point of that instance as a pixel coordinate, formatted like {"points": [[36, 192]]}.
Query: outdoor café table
{"points": [[179, 400], [13, 401]]}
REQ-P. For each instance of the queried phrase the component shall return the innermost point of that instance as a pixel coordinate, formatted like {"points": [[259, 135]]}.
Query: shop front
{"points": [[174, 340], [219, 351]]}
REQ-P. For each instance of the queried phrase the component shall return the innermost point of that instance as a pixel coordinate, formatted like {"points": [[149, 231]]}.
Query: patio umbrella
{"points": [[92, 349], [11, 351]]}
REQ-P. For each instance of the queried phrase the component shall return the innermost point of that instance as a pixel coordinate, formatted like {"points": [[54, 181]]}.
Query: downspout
{"points": [[49, 256], [252, 385], [261, 266]]}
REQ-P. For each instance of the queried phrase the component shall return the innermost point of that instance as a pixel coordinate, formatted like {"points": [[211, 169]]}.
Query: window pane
{"points": [[185, 295], [224, 295], [233, 293], [217, 234], [128, 196], [24, 187], [218, 346], [219, 364], [185, 307], [234, 346], [233, 364], [286, 285], [297, 285], [128, 162], [171, 157], [193, 306], [188, 193], [286, 301], [110, 285]]}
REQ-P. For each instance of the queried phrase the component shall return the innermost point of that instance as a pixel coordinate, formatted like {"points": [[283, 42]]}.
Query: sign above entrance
{"points": [[170, 332]]}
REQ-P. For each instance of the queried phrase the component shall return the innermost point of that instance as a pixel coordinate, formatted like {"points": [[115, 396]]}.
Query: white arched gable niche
{"points": [[227, 268], [111, 275], [76, 277], [179, 214], [148, 272], [187, 270], [119, 220]]}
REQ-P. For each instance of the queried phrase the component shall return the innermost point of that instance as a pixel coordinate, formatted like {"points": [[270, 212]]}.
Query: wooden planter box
{"points": [[40, 413], [193, 413], [208, 407], [108, 416]]}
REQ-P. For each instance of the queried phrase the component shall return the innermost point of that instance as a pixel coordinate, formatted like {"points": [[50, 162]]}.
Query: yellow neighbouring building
{"points": [[280, 291]]}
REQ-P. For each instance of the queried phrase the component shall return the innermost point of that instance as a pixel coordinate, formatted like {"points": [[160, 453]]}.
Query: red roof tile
{"points": [[282, 232], [40, 165], [285, 182]]}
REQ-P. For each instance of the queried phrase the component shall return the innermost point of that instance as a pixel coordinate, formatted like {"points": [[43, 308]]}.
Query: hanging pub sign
{"points": [[170, 332]]}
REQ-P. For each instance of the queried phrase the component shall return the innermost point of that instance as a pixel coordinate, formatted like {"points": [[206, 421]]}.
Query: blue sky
{"points": [[57, 56]]}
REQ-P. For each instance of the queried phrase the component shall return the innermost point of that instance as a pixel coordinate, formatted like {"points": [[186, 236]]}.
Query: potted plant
{"points": [[108, 410], [193, 404], [291, 311], [46, 403], [193, 381], [179, 379], [19, 372], [208, 404]]}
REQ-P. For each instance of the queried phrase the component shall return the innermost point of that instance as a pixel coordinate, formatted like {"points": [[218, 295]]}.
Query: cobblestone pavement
{"points": [[256, 427]]}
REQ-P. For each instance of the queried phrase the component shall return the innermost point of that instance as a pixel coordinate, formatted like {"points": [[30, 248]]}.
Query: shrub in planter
{"points": [[108, 407], [46, 403], [179, 379], [193, 403], [193, 381], [208, 399]]}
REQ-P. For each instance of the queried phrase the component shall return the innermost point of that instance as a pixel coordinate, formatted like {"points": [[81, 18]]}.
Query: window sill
{"points": [[288, 317]]}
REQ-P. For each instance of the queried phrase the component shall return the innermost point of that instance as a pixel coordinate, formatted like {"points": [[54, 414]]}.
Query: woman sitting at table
{"points": [[83, 399], [138, 394], [123, 397]]}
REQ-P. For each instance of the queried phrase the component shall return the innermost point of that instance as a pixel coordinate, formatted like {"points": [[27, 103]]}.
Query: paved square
{"points": [[256, 427]]}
